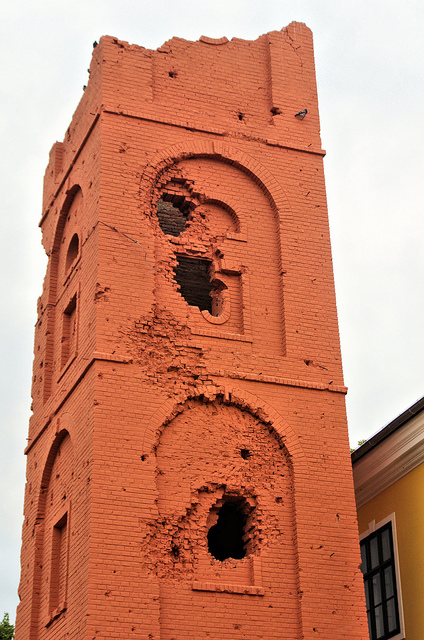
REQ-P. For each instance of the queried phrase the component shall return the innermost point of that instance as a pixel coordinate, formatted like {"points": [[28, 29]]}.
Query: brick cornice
{"points": [[220, 131]]}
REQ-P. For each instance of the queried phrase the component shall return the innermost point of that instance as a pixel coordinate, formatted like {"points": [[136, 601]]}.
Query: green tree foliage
{"points": [[6, 629], [360, 443]]}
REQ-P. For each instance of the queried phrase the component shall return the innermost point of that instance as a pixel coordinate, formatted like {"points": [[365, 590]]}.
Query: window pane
{"points": [[388, 582], [374, 552], [378, 567], [376, 589], [369, 623], [364, 567], [379, 624], [385, 544], [367, 594], [391, 615]]}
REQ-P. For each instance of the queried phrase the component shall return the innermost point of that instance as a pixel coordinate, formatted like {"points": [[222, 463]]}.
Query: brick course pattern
{"points": [[187, 357]]}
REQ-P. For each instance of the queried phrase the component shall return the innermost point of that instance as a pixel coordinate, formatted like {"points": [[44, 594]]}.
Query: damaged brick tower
{"points": [[188, 463]]}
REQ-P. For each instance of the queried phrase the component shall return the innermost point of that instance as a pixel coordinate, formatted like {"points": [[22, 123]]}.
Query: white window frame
{"points": [[372, 527]]}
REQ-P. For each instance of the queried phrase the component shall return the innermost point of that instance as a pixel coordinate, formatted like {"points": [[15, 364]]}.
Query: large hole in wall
{"points": [[192, 275], [226, 538], [172, 214]]}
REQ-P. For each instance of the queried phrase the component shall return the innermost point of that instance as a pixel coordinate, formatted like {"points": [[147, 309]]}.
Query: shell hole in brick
{"points": [[226, 537], [172, 215], [72, 252], [192, 275]]}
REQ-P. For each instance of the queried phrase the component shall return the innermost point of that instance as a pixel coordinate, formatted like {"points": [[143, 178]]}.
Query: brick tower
{"points": [[188, 463]]}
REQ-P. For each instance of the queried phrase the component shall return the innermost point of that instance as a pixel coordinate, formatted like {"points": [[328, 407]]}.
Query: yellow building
{"points": [[388, 473]]}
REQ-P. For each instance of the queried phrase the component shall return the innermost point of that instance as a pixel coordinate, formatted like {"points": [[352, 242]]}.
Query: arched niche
{"points": [[61, 334], [67, 243], [51, 569], [218, 462], [198, 242], [222, 151]]}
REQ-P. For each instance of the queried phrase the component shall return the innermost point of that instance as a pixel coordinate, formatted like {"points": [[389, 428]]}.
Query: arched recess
{"points": [[72, 195], [219, 151], [197, 165], [218, 457], [52, 535], [240, 398], [58, 271]]}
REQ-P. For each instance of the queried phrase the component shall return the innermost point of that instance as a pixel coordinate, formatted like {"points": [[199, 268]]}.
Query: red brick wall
{"points": [[150, 413]]}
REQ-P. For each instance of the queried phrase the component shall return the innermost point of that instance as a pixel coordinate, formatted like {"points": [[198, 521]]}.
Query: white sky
{"points": [[370, 66]]}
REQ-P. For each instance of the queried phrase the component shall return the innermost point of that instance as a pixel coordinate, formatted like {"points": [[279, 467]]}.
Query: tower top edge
{"points": [[223, 40]]}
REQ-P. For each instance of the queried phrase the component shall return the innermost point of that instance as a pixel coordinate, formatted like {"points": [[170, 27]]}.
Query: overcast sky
{"points": [[370, 65]]}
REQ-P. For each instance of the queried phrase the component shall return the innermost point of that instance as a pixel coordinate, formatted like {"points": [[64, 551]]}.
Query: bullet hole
{"points": [[275, 111], [226, 537], [307, 362], [172, 74], [175, 550], [143, 457], [279, 500], [241, 116], [245, 454]]}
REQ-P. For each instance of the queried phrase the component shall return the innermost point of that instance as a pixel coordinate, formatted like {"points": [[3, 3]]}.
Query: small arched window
{"points": [[72, 252]]}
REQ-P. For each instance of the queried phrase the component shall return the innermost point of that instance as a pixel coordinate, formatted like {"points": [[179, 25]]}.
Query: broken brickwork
{"points": [[188, 463]]}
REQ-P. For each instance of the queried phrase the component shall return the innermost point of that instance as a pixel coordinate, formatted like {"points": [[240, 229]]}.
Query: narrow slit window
{"points": [[59, 564], [69, 330], [72, 252]]}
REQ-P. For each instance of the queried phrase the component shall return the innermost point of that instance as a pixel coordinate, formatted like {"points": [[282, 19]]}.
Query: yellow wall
{"points": [[406, 499]]}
